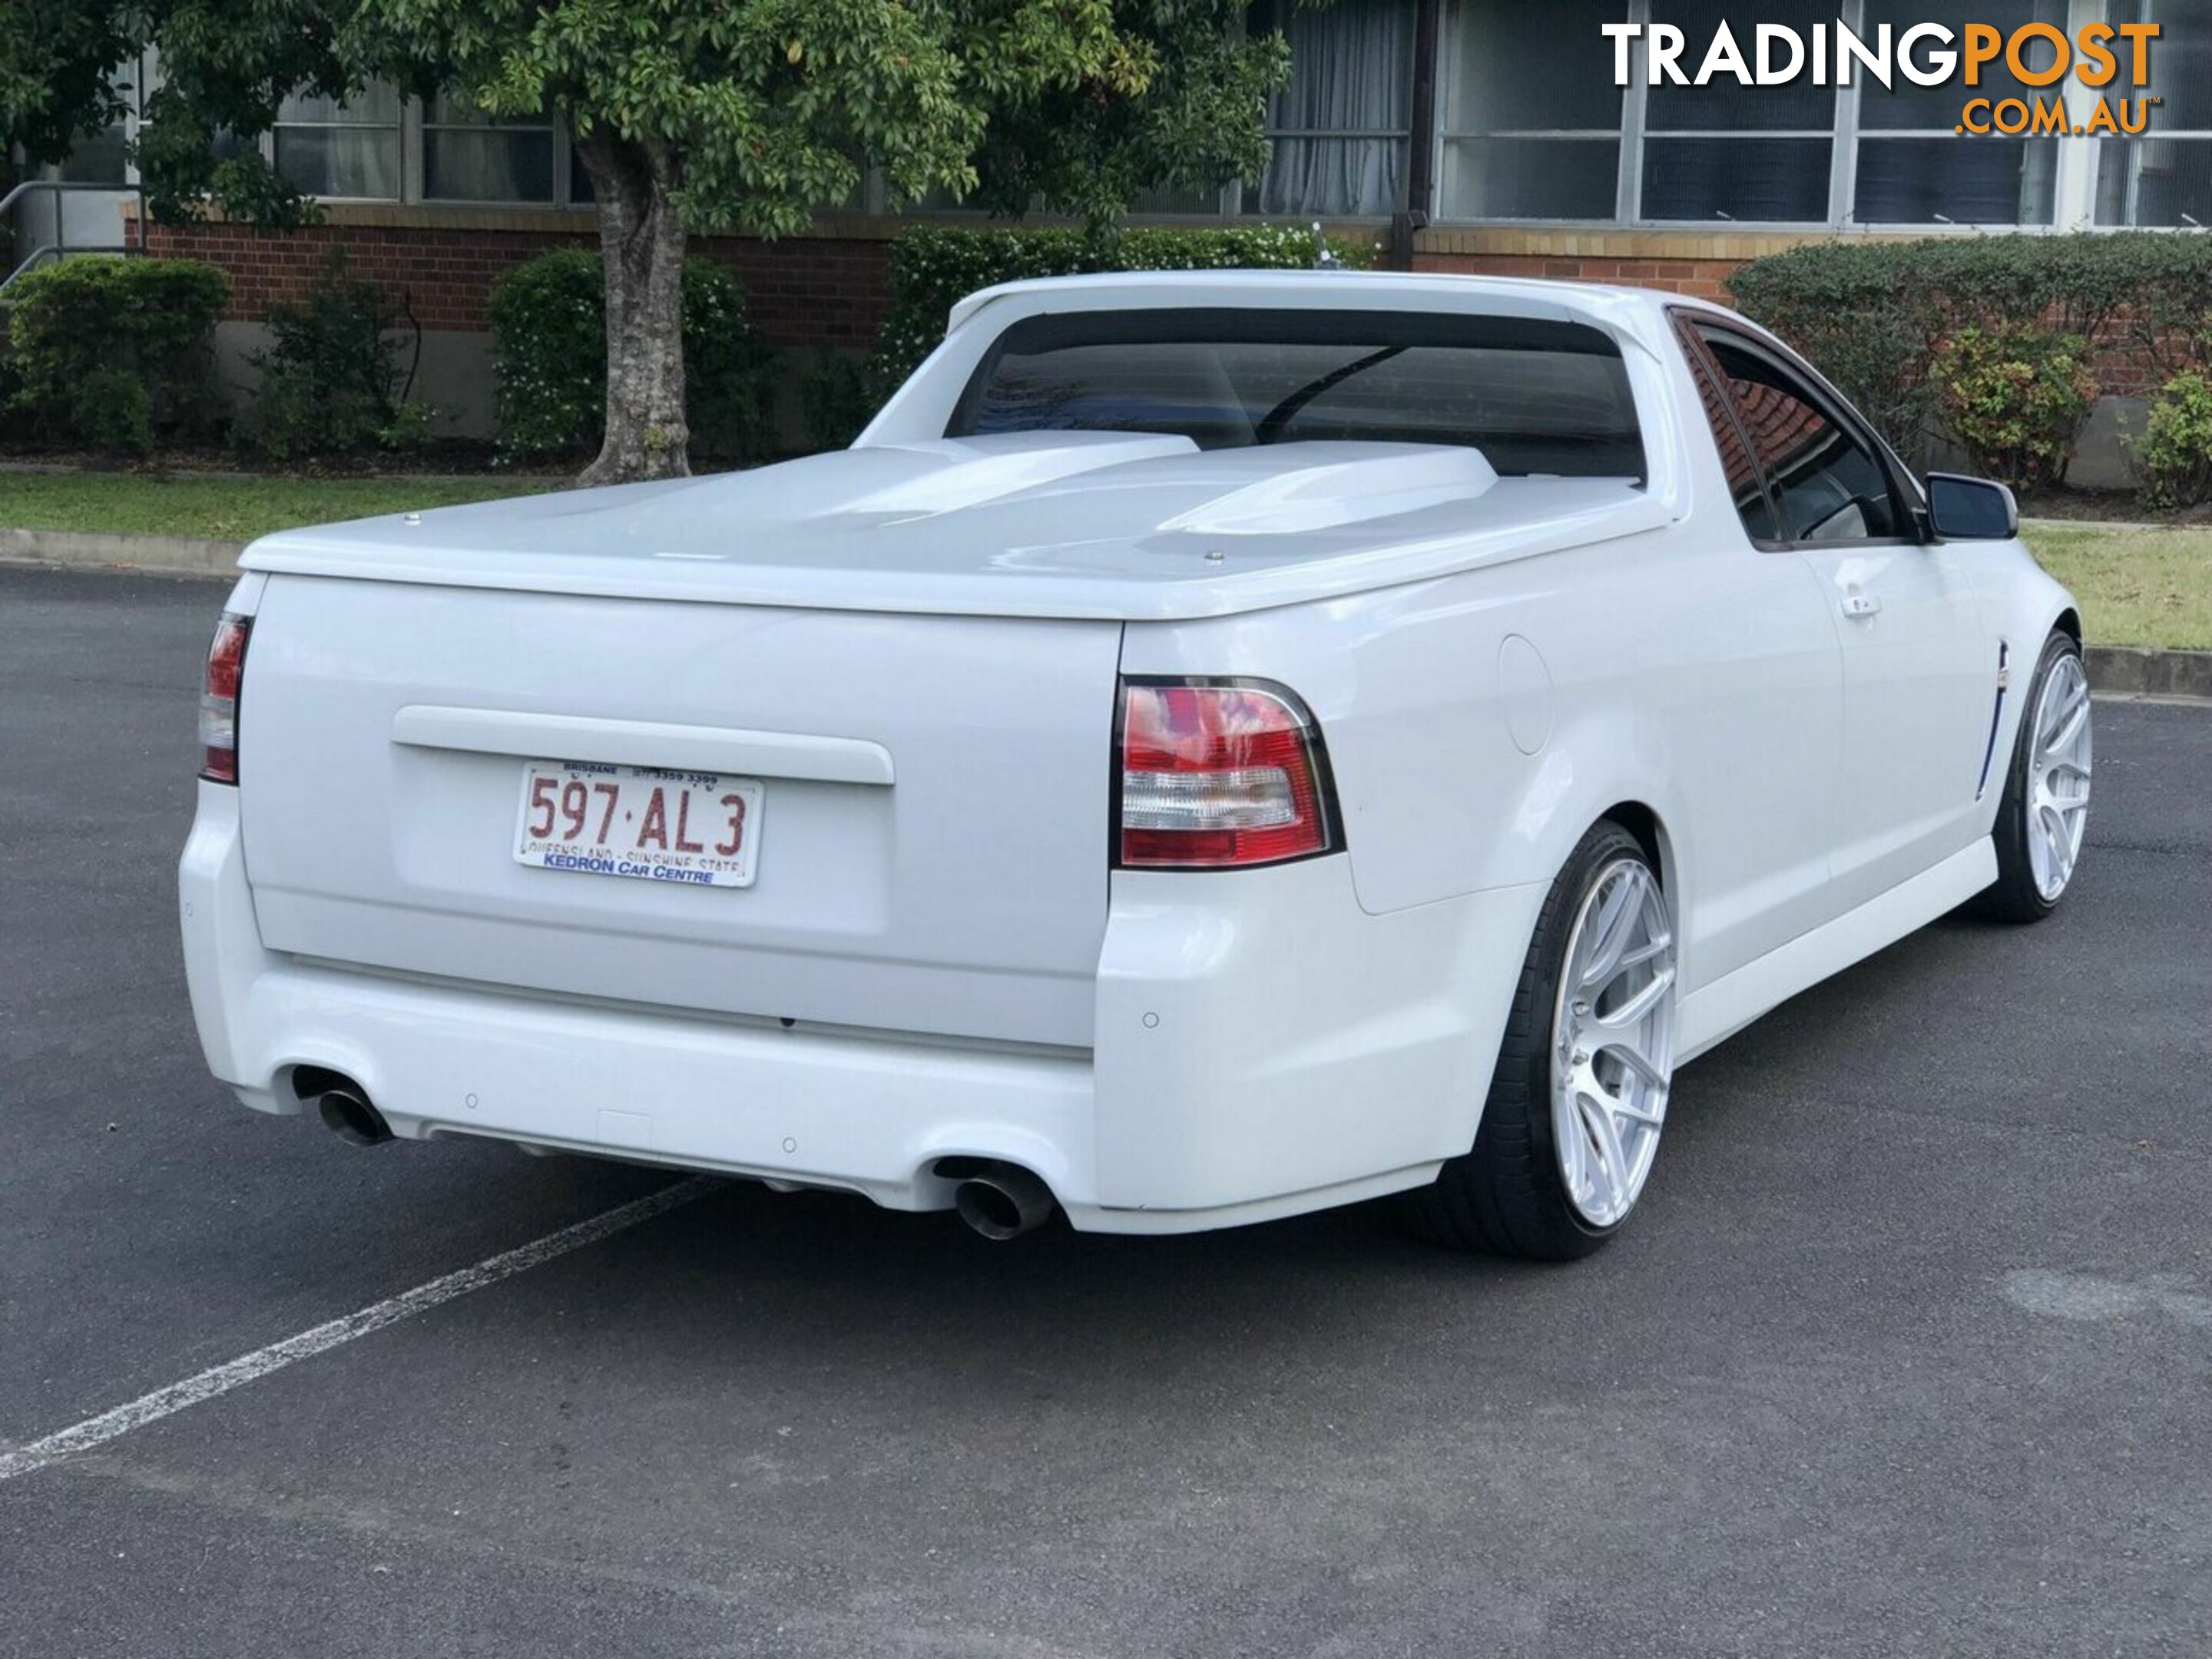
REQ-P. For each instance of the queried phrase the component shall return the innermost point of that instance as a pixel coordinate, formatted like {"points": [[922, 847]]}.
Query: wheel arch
{"points": [[1649, 829], [1645, 823]]}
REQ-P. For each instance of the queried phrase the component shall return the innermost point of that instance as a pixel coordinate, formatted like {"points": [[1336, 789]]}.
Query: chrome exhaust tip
{"points": [[349, 1115], [1002, 1200]]}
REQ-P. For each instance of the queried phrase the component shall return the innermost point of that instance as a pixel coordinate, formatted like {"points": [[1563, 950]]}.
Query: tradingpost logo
{"points": [[2111, 60]]}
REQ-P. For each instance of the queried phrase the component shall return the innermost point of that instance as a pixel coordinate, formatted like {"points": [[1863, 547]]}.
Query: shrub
{"points": [[111, 409], [2017, 399], [834, 400], [932, 269], [332, 383], [117, 352], [1874, 316], [729, 370], [2175, 450], [15, 417], [549, 348]]}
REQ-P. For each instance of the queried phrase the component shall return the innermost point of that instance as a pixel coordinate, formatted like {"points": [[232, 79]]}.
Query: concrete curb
{"points": [[2122, 670], [2133, 526], [79, 550], [2139, 672]]}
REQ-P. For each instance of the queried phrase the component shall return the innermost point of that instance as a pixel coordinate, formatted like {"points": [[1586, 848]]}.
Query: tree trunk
{"points": [[642, 241]]}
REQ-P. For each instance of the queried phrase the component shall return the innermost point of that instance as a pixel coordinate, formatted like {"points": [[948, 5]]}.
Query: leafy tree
{"points": [[63, 74], [742, 115], [748, 114]]}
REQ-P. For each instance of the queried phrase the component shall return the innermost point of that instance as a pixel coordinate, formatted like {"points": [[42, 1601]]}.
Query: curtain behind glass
{"points": [[342, 149], [1352, 74], [488, 166], [469, 156]]}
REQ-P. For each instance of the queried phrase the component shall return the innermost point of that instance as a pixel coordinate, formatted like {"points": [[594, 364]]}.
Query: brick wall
{"points": [[805, 291], [1698, 263], [1705, 279], [827, 287]]}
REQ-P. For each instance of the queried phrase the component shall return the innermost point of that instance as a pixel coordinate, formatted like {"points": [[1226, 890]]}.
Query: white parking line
{"points": [[221, 1379]]}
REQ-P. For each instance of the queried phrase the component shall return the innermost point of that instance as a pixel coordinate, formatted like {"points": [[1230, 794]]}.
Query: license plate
{"points": [[695, 829]]}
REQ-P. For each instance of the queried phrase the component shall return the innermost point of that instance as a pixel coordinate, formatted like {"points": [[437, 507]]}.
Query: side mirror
{"points": [[1962, 509]]}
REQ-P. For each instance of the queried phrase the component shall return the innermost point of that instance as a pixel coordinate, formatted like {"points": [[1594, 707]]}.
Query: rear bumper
{"points": [[1263, 1048]]}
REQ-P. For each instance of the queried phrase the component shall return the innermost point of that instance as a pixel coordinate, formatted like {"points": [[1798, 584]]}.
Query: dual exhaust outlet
{"points": [[998, 1200]]}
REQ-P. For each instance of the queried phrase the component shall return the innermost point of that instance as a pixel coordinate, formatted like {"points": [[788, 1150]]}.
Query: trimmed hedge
{"points": [[117, 352], [550, 351], [1875, 316], [932, 269]]}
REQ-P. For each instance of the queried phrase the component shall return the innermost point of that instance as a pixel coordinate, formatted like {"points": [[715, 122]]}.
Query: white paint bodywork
{"points": [[914, 645]]}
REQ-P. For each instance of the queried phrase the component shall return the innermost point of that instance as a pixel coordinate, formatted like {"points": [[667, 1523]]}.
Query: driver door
{"points": [[1920, 671]]}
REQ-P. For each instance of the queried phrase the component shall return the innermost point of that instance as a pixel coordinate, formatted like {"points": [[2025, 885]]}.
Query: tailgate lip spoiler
{"points": [[526, 735]]}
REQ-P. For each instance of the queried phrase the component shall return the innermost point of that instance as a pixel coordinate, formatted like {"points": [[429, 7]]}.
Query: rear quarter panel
{"points": [[1479, 724]]}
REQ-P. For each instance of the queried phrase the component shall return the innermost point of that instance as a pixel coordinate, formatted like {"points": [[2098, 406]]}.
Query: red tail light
{"points": [[225, 672], [1220, 772]]}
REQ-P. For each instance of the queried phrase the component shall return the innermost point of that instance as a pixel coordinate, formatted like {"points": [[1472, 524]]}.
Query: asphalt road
{"points": [[1909, 1351]]}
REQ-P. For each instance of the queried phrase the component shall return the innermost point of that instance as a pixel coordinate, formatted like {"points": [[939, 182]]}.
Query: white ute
{"points": [[1217, 746]]}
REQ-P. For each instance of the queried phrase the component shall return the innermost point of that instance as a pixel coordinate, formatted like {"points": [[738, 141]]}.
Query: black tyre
{"points": [[1575, 1108], [2044, 812]]}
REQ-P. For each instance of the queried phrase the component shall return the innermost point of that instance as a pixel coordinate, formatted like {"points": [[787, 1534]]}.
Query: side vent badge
{"points": [[1996, 715]]}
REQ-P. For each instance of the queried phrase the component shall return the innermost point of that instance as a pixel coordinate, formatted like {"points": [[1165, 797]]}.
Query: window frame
{"points": [[557, 135], [1907, 502], [2073, 192], [2132, 191], [396, 127], [412, 180], [1241, 200]]}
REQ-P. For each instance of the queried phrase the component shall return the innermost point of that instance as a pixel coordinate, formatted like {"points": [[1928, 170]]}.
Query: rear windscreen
{"points": [[1534, 396]]}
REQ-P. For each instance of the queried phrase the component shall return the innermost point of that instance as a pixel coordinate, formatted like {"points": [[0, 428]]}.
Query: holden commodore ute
{"points": [[1217, 746]]}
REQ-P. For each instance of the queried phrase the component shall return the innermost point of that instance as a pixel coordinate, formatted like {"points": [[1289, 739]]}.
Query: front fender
{"points": [[2023, 606]]}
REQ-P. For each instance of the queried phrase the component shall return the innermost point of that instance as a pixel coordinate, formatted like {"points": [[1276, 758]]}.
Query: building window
{"points": [[1725, 151], [349, 151], [1571, 145], [2164, 178], [99, 158], [469, 156], [1523, 146], [1341, 132], [1914, 170]]}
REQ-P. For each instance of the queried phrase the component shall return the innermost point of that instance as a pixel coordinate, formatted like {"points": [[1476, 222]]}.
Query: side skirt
{"points": [[1715, 1012]]}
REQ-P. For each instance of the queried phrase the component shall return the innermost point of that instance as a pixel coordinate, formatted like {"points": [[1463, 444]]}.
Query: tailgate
{"points": [[931, 808]]}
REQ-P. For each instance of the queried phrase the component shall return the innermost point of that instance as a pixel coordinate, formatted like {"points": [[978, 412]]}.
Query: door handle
{"points": [[1856, 603]]}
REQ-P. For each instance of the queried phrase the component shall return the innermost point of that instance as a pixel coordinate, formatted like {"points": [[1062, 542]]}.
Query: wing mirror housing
{"points": [[1963, 509]]}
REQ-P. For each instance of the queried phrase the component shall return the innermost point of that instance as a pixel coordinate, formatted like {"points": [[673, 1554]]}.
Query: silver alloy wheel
{"points": [[2058, 779], [1613, 1059]]}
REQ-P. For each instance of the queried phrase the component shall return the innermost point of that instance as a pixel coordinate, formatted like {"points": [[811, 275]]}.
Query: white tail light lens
{"points": [[1220, 772], [225, 672]]}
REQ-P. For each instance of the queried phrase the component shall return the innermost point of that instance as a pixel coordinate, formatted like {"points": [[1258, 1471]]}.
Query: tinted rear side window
{"points": [[1535, 397], [1825, 481]]}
